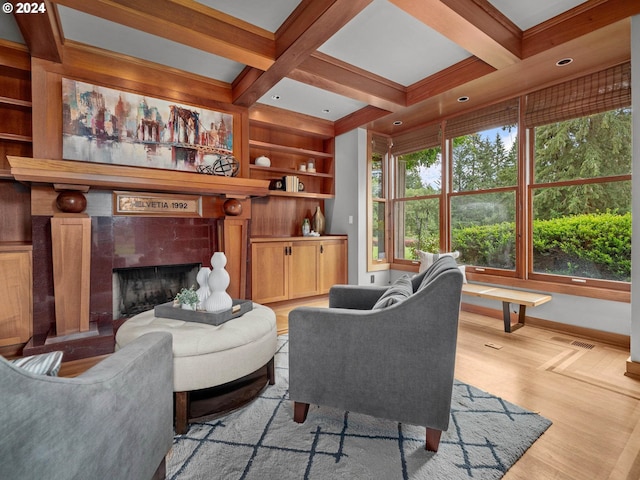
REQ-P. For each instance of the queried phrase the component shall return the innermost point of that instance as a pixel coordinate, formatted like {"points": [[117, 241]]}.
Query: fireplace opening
{"points": [[139, 289]]}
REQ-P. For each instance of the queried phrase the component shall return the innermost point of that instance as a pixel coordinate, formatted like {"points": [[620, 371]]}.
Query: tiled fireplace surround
{"points": [[116, 242]]}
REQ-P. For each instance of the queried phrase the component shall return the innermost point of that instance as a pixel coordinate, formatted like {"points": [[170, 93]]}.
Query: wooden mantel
{"points": [[107, 176]]}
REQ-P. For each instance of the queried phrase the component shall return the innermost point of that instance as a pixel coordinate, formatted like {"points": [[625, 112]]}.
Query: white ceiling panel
{"points": [[267, 14], [389, 42], [530, 13], [107, 35], [309, 100], [9, 29]]}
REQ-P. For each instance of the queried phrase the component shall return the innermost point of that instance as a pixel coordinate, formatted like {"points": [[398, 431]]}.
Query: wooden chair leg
{"points": [[271, 371], [300, 411], [433, 439], [182, 412]]}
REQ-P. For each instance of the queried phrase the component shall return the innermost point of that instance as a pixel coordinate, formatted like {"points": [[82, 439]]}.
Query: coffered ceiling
{"points": [[351, 62]]}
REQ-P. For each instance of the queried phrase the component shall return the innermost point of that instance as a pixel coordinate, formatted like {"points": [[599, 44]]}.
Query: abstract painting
{"points": [[109, 126]]}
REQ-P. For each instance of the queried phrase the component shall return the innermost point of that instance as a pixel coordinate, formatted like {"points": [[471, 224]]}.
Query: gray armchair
{"points": [[114, 421], [395, 362]]}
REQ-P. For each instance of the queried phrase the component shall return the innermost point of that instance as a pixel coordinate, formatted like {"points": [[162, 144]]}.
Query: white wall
{"points": [[635, 208], [351, 201]]}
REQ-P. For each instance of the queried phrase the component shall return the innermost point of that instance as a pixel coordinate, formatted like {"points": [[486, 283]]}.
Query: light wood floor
{"points": [[577, 383]]}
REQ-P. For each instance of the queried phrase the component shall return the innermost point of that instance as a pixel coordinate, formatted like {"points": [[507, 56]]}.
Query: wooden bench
{"points": [[507, 296]]}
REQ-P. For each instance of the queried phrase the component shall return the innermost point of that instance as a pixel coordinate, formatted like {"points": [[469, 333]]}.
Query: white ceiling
{"points": [[382, 39]]}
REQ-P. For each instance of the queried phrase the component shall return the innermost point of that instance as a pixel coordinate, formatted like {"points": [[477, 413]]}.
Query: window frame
{"points": [[372, 265], [396, 199], [522, 276]]}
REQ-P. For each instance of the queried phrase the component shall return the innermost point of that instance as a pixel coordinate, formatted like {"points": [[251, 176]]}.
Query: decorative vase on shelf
{"points": [[203, 282], [306, 227], [318, 221], [218, 300]]}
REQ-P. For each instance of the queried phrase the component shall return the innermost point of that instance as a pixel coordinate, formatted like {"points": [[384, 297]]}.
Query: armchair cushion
{"points": [[396, 293], [43, 364]]}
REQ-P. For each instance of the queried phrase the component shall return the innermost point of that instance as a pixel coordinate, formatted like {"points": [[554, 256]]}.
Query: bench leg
{"points": [[506, 314], [182, 412]]}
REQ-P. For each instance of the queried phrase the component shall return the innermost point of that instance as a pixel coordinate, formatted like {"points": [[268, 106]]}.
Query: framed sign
{"points": [[131, 203]]}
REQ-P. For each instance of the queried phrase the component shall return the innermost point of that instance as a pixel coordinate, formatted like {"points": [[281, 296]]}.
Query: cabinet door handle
{"points": [[321, 248]]}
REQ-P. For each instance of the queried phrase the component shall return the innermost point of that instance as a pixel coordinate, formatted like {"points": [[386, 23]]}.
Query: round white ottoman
{"points": [[206, 356]]}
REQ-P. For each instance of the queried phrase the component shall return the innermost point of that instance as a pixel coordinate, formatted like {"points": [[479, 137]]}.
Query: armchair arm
{"points": [[114, 421], [359, 297]]}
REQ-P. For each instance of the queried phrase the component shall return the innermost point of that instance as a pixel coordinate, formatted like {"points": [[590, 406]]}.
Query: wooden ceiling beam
{"points": [[331, 74], [41, 33], [189, 23], [275, 117], [359, 118], [574, 23], [306, 29], [474, 25], [462, 72]]}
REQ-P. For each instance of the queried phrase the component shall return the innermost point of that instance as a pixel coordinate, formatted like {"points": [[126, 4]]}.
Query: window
{"points": [[541, 194], [582, 204], [377, 176], [484, 178], [417, 194], [581, 189]]}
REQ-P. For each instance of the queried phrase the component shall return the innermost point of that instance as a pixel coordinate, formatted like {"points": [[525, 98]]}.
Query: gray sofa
{"points": [[395, 362], [114, 421]]}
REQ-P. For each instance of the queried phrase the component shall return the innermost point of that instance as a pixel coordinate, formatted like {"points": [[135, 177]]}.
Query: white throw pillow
{"points": [[464, 273], [427, 259]]}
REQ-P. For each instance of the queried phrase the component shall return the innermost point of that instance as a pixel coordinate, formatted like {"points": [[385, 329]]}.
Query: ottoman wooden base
{"points": [[205, 404]]}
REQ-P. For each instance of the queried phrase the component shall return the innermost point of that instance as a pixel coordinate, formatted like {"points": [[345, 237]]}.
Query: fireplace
{"points": [[120, 243], [139, 289]]}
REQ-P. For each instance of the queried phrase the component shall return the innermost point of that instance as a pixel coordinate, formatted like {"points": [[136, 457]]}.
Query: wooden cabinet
{"points": [[287, 152], [285, 269], [15, 277]]}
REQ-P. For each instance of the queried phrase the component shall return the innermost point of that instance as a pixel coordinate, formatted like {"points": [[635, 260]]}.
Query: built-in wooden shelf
{"points": [[15, 137], [282, 193], [287, 149], [15, 102], [5, 173], [290, 171]]}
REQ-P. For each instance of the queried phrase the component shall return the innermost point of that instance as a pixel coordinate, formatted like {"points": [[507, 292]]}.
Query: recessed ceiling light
{"points": [[325, 110], [564, 61], [275, 97], [397, 122], [463, 99]]}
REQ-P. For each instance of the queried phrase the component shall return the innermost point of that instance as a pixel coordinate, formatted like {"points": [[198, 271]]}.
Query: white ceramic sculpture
{"points": [[218, 299], [203, 282]]}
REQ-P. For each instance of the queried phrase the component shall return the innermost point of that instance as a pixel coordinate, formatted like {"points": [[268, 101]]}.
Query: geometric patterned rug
{"points": [[486, 436]]}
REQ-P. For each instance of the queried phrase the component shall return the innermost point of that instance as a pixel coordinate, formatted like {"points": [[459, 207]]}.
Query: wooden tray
{"points": [[167, 310]]}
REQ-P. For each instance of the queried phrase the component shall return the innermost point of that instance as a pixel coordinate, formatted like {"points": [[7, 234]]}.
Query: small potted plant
{"points": [[187, 298]]}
